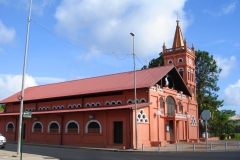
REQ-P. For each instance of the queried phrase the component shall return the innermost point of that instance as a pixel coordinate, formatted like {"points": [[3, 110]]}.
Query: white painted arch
{"points": [[66, 128], [36, 123], [86, 128]]}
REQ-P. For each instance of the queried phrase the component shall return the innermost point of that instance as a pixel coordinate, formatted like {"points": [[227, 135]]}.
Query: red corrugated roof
{"points": [[107, 83], [131, 106]]}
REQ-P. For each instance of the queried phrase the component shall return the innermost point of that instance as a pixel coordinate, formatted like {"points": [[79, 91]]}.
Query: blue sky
{"points": [[73, 39]]}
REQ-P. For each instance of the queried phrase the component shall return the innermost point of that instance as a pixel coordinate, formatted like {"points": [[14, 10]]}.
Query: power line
{"points": [[146, 69], [52, 32]]}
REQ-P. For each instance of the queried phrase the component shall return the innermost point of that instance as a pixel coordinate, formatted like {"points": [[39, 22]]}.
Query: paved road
{"points": [[84, 154]]}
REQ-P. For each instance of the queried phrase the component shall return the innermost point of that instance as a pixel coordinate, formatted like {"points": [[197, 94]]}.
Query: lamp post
{"points": [[19, 149], [135, 94]]}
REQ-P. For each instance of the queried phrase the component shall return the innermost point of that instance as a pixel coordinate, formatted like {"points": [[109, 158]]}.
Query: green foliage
{"points": [[2, 107], [235, 135], [223, 136], [207, 75], [155, 62]]}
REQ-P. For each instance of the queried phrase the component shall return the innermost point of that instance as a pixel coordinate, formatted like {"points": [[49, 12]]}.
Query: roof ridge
{"points": [[94, 77]]}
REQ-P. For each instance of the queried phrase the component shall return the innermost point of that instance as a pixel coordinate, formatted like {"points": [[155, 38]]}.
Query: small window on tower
{"points": [[181, 72], [170, 61], [180, 60]]}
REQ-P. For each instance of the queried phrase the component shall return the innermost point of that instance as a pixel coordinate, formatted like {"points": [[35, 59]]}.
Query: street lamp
{"points": [[135, 94], [19, 148]]}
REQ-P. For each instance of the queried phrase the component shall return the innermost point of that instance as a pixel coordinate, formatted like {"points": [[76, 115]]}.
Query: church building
{"points": [[100, 111]]}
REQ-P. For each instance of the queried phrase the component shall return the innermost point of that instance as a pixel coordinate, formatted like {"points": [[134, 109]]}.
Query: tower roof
{"points": [[178, 38]]}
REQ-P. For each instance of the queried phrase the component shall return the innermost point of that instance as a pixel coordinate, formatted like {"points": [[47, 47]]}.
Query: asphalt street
{"points": [[85, 154]]}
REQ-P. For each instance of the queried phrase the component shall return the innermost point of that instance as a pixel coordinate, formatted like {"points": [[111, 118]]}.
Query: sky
{"points": [[74, 39]]}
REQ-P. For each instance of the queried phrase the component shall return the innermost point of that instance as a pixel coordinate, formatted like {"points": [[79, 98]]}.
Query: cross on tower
{"points": [[147, 63], [177, 17]]}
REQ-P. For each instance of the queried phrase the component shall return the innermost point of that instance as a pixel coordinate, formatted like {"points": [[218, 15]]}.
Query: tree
{"points": [[2, 107], [207, 75], [155, 62]]}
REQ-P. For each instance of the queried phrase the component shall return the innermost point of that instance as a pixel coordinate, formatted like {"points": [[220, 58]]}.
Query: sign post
{"points": [[26, 114], [206, 115]]}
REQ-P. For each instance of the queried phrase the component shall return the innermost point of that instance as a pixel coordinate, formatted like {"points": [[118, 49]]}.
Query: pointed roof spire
{"points": [[178, 38]]}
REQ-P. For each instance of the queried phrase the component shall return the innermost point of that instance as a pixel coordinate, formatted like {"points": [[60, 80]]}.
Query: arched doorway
{"points": [[170, 106], [170, 113]]}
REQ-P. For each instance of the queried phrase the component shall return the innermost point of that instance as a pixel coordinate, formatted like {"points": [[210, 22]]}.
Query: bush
{"points": [[223, 136], [235, 135], [232, 135]]}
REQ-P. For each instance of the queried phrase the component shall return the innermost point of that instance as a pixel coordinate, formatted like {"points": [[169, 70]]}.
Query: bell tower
{"points": [[183, 58]]}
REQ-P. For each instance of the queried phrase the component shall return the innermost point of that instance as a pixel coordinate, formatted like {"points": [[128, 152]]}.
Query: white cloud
{"points": [[38, 6], [6, 34], [232, 96], [229, 9], [224, 10], [11, 84], [226, 64], [107, 24]]}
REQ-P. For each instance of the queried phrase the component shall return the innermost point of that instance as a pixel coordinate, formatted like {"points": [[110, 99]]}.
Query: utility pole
{"points": [[135, 94], [23, 82]]}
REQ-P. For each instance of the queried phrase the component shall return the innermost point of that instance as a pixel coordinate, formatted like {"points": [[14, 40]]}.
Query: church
{"points": [[103, 112]]}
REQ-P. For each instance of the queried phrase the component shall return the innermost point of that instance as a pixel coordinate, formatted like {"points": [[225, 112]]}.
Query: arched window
{"points": [[87, 105], [92, 104], [93, 126], [10, 127], [98, 104], [170, 106], [180, 60], [119, 102], [113, 102], [170, 61], [180, 108], [137, 101], [37, 127], [53, 127], [129, 101], [188, 73], [161, 102], [107, 103], [143, 100], [26, 109], [181, 71], [79, 106], [69, 106], [72, 127]]}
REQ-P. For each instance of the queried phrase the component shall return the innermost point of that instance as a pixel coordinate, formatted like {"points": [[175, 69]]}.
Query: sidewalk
{"points": [[213, 146], [9, 155], [217, 146]]}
